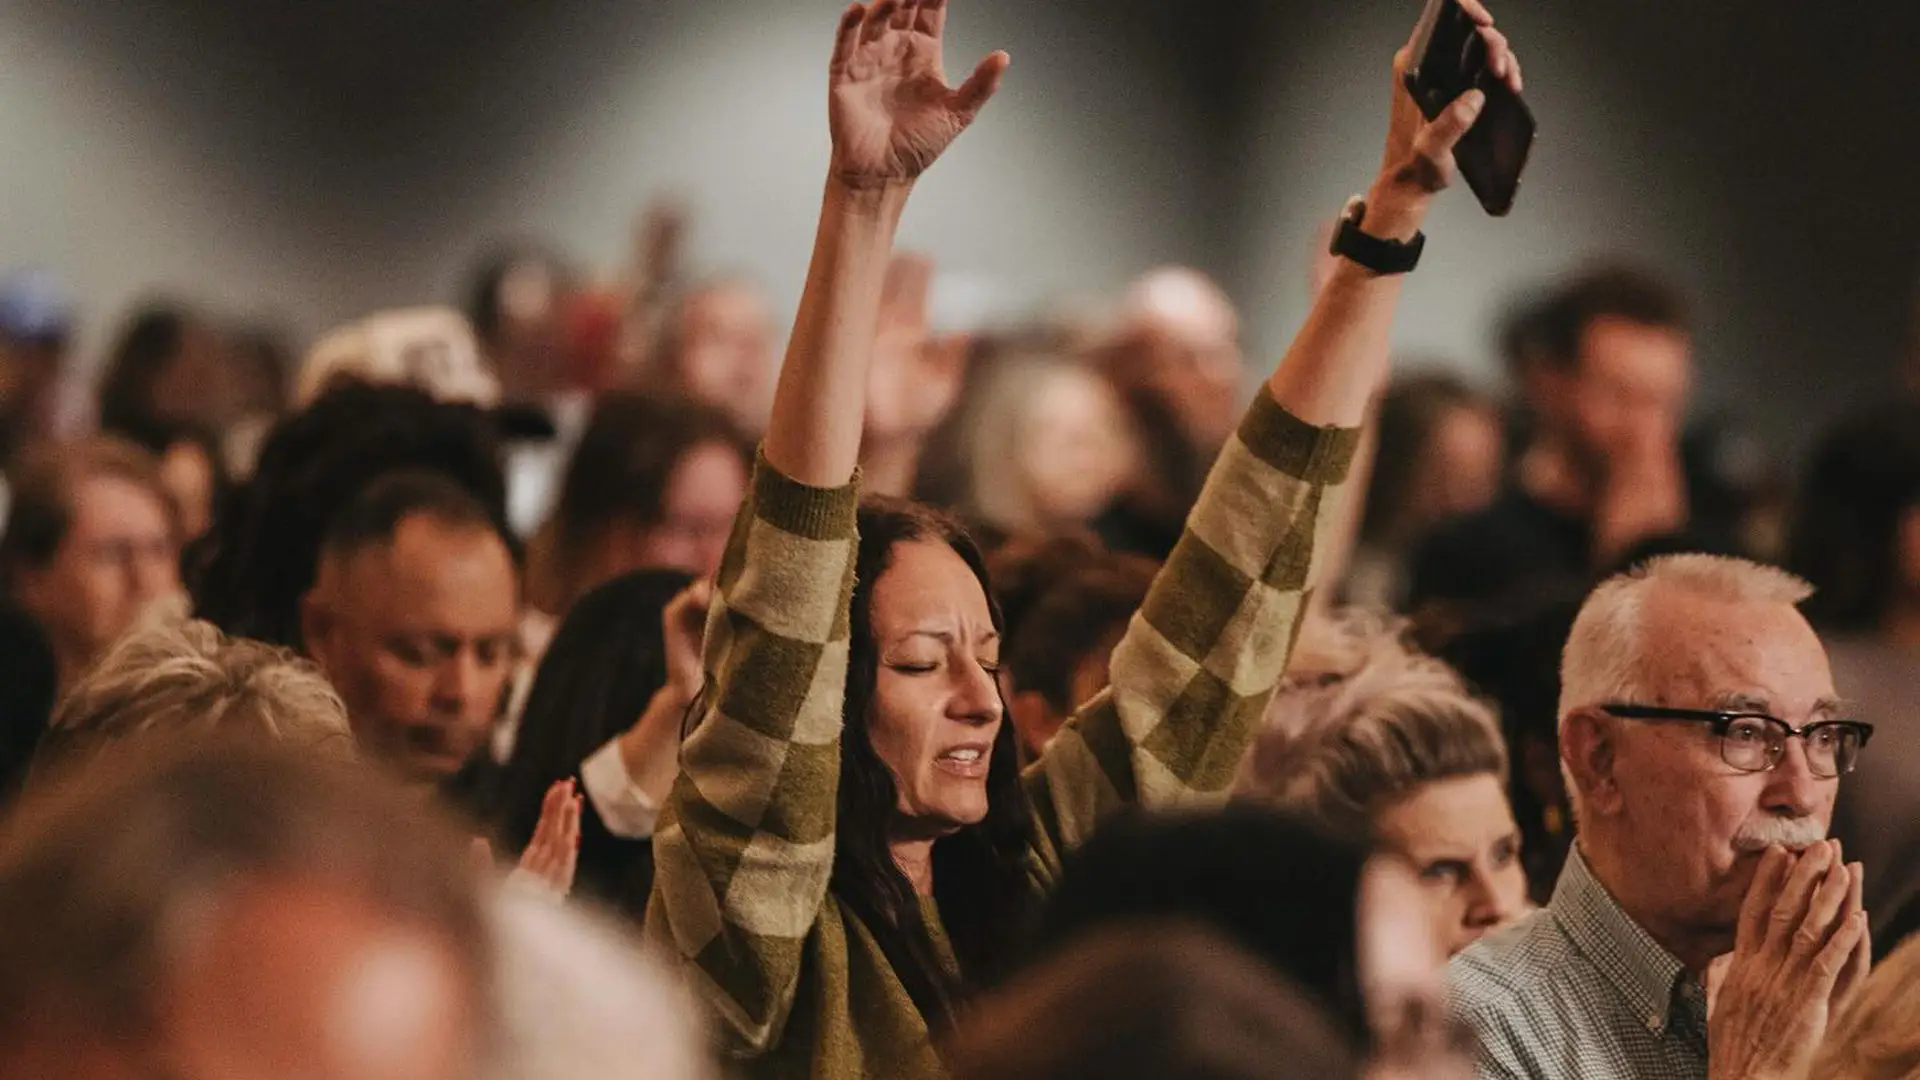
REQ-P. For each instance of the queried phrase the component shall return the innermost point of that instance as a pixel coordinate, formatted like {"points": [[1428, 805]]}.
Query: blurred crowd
{"points": [[559, 682]]}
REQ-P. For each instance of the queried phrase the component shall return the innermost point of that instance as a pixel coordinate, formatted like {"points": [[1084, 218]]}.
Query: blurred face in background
{"points": [[419, 636], [696, 515], [1461, 469], [726, 350], [120, 554], [1180, 343], [529, 346], [1077, 449], [199, 382], [1627, 393]]}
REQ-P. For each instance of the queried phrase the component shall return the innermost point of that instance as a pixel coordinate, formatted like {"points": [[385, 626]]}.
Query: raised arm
{"points": [[892, 115], [745, 846], [1192, 676]]}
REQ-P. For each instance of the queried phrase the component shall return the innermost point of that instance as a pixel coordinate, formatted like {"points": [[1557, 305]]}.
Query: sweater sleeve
{"points": [[1199, 661], [744, 849]]}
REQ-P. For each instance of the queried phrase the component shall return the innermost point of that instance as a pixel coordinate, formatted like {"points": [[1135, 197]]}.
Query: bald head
{"points": [[1178, 342]]}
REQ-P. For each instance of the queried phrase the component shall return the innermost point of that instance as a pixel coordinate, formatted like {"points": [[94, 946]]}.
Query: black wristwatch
{"points": [[1377, 255]]}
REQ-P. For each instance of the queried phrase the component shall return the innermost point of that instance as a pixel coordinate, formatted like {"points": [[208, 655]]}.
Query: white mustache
{"points": [[1790, 833]]}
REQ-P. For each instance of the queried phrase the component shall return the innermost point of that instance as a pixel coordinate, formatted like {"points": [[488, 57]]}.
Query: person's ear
{"points": [[1588, 752]]}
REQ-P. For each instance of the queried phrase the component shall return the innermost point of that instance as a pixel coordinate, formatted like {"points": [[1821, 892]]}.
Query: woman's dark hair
{"points": [[602, 669], [1845, 537], [980, 879], [265, 543], [1281, 887], [149, 342]]}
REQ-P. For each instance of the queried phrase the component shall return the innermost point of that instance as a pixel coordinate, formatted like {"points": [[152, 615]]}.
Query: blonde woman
{"points": [[1369, 735]]}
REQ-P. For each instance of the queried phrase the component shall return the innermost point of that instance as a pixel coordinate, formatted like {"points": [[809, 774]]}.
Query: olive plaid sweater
{"points": [[745, 847]]}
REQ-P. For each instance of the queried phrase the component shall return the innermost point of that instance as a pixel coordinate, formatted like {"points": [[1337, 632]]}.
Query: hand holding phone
{"points": [[1451, 55]]}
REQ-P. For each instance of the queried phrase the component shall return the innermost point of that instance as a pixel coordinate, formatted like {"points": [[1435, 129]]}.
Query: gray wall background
{"points": [[313, 161]]}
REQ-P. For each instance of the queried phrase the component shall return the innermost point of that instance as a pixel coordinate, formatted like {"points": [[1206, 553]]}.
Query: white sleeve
{"points": [[623, 808]]}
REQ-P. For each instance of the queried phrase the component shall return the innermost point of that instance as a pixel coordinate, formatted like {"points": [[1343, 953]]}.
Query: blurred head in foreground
{"points": [[1153, 1001], [233, 908]]}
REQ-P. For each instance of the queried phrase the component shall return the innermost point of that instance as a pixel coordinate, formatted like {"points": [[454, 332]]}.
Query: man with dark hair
{"points": [[414, 617], [264, 550], [1604, 365]]}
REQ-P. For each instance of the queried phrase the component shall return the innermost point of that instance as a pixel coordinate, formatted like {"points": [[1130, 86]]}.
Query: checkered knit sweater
{"points": [[744, 852]]}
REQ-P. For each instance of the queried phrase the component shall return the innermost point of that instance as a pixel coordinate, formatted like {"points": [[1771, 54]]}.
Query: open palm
{"points": [[891, 110]]}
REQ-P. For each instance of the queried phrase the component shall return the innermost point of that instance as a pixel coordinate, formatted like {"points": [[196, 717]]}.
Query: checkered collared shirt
{"points": [[1578, 991]]}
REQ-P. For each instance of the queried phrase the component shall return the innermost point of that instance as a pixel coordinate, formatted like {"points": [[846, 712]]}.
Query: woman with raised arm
{"points": [[849, 845]]}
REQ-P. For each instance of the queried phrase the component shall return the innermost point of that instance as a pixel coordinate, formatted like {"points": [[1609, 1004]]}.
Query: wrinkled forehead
{"points": [[1699, 652]]}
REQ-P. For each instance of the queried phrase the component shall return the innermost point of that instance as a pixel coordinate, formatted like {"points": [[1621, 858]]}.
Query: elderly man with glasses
{"points": [[1704, 927]]}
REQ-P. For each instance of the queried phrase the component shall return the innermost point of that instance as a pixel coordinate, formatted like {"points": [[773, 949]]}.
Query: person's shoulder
{"points": [[1510, 964]]}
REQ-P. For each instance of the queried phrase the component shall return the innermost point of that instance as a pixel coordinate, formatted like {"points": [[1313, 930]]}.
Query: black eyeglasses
{"points": [[1755, 742]]}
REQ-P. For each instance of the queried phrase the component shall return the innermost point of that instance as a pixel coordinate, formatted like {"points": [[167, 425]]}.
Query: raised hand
{"points": [[891, 111], [915, 380], [551, 857], [1420, 151], [684, 623]]}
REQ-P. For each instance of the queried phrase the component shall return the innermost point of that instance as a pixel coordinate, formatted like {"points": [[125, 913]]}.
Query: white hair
{"points": [[1602, 661], [1602, 658], [577, 996]]}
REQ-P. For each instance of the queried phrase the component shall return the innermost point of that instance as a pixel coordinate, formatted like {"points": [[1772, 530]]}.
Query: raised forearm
{"points": [[1339, 359], [820, 404]]}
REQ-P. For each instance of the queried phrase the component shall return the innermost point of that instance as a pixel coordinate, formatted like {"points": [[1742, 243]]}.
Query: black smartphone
{"points": [[1450, 58]]}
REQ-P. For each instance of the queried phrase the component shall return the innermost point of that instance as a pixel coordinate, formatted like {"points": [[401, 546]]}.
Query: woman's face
{"points": [[1075, 448], [697, 512], [1465, 456], [936, 703], [1460, 839]]}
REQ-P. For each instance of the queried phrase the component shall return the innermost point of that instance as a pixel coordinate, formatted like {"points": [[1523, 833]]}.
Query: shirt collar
{"points": [[1645, 974]]}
